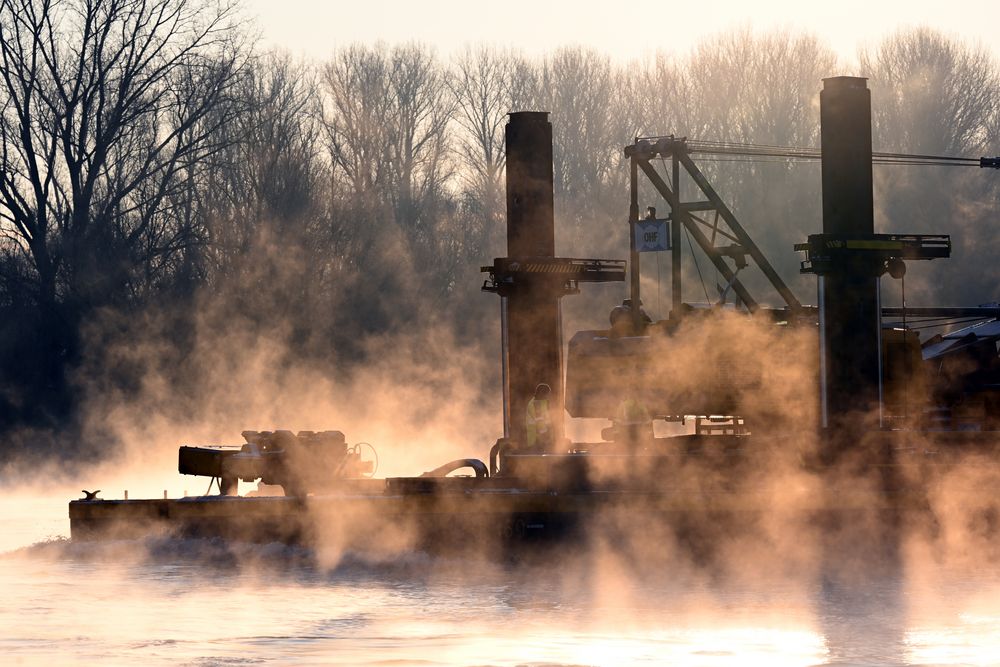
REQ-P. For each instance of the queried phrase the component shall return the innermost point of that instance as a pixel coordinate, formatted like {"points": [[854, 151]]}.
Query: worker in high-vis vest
{"points": [[635, 426], [538, 419]]}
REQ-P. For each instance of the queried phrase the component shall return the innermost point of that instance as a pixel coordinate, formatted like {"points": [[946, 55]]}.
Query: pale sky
{"points": [[624, 29]]}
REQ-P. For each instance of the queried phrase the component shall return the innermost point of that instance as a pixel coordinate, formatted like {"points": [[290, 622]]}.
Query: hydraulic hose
{"points": [[442, 471]]}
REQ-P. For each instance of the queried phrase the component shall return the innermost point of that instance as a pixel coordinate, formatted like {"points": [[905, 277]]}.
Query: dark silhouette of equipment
{"points": [[302, 463], [875, 374], [857, 366], [849, 257], [531, 280]]}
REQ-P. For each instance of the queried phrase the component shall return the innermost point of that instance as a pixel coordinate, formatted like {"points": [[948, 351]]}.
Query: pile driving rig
{"points": [[563, 487]]}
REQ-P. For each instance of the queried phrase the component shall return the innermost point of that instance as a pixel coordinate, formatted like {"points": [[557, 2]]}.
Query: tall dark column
{"points": [[531, 228], [534, 338], [848, 292]]}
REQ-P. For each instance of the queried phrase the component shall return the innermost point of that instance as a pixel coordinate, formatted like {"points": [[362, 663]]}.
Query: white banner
{"points": [[652, 235]]}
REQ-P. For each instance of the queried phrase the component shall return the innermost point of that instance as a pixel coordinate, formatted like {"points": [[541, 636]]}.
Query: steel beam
{"points": [[744, 238], [710, 250]]}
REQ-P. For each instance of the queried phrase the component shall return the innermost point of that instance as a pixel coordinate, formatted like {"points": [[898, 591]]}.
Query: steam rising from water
{"points": [[204, 602], [766, 587], [420, 403]]}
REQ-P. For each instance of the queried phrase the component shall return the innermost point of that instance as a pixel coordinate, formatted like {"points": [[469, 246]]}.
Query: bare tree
{"points": [[103, 103], [262, 199], [270, 177], [387, 115], [934, 94], [762, 88], [591, 122], [661, 96], [484, 95], [357, 118], [418, 142], [579, 87], [103, 108], [931, 93]]}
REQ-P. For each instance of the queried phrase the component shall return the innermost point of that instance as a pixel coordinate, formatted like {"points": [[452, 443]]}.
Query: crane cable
{"points": [[697, 266], [747, 152]]}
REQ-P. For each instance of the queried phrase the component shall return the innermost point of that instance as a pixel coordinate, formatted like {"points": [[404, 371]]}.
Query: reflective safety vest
{"points": [[631, 411], [537, 420]]}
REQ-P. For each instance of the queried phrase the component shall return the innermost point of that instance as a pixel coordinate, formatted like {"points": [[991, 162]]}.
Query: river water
{"points": [[205, 603]]}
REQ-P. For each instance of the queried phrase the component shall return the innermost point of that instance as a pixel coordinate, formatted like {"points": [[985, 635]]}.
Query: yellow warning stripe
{"points": [[550, 268], [858, 244]]}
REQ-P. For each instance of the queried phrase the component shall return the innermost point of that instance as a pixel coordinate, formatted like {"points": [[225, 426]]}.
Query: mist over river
{"points": [[183, 602]]}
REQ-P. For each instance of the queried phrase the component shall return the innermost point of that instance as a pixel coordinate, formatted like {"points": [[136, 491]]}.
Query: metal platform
{"points": [[551, 497]]}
